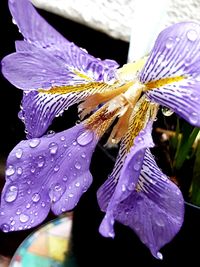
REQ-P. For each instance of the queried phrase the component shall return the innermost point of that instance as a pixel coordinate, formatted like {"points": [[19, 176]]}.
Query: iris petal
{"points": [[64, 56], [52, 171], [176, 54], [156, 211], [115, 191]]}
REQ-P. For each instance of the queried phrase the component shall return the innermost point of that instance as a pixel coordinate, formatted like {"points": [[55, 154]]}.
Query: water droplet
{"points": [[36, 197], [50, 133], [159, 256], [123, 187], [18, 212], [62, 138], [85, 138], [136, 167], [159, 222], [56, 191], [5, 227], [19, 153], [43, 204], [169, 43], [10, 170], [192, 35], [167, 111], [28, 206], [34, 142], [193, 118], [69, 154], [56, 168], [12, 223], [32, 169], [65, 178], [71, 195], [41, 161], [131, 186], [14, 21], [11, 193], [77, 184], [23, 218], [74, 143], [53, 148], [2, 213], [19, 170], [83, 155], [77, 165]]}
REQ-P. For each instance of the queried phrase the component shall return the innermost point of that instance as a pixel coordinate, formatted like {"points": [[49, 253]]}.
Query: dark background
{"points": [[89, 248]]}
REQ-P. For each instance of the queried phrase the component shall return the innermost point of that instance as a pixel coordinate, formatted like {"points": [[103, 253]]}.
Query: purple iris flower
{"points": [[52, 171]]}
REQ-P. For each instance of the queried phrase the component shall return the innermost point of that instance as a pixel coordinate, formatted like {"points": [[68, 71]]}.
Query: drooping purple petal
{"points": [[176, 53], [52, 171], [114, 191], [155, 211]]}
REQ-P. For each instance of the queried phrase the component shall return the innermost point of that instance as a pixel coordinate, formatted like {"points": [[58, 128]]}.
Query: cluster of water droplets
{"points": [[57, 151]]}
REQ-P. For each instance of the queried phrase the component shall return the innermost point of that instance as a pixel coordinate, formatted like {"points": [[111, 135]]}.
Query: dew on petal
{"points": [[167, 111], [192, 35], [5, 227], [11, 193], [56, 168], [71, 195], [136, 166], [193, 118], [10, 170], [50, 133], [41, 161], [65, 178], [62, 138], [85, 138], [28, 206], [83, 155], [23, 218], [36, 197], [53, 148], [123, 187], [159, 256], [77, 184], [77, 165], [19, 170], [56, 191], [43, 204], [169, 43], [19, 153], [34, 142]]}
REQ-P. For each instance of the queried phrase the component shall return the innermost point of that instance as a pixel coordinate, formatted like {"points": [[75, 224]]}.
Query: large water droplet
{"points": [[11, 193], [53, 148], [159, 256], [192, 35], [77, 165], [167, 111], [56, 191], [85, 138], [10, 170], [34, 142], [23, 218], [5, 227], [19, 153], [36, 197]]}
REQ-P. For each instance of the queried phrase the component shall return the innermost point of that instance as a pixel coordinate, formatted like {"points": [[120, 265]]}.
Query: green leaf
{"points": [[195, 188]]}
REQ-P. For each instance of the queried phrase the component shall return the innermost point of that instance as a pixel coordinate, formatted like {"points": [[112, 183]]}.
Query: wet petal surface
{"points": [[52, 171]]}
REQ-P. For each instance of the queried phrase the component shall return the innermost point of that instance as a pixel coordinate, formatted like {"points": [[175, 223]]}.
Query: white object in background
{"points": [[148, 20]]}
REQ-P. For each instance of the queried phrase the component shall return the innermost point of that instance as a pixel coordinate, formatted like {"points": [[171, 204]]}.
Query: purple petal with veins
{"points": [[176, 53], [43, 173]]}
